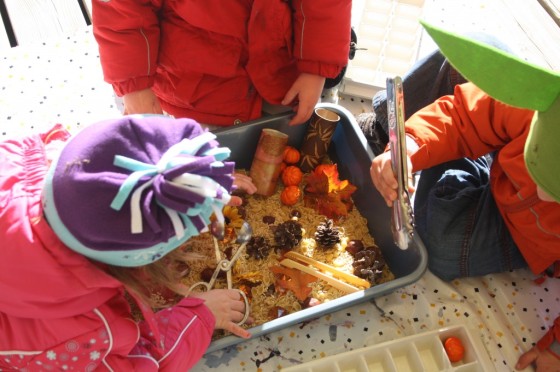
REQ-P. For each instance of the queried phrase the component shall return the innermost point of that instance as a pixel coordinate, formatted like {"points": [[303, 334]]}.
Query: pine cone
{"points": [[327, 235], [367, 266], [288, 234], [258, 247]]}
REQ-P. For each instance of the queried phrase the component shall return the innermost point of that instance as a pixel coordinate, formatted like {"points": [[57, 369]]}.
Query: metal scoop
{"points": [[402, 219], [244, 234]]}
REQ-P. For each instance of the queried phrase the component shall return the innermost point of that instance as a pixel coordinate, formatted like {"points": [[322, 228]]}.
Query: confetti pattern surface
{"points": [[507, 311], [56, 81], [61, 82]]}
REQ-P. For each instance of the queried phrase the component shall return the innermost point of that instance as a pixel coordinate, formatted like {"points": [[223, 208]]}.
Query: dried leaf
{"points": [[332, 206], [317, 182], [294, 280], [327, 194]]}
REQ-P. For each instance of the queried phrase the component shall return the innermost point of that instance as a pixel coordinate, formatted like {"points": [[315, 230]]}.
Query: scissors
{"points": [[402, 219], [243, 236]]}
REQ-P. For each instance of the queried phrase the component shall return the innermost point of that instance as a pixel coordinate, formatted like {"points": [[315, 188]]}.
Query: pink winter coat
{"points": [[215, 60], [58, 311]]}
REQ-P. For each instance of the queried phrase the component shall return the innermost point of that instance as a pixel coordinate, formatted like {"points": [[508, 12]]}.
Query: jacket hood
{"points": [[39, 276]]}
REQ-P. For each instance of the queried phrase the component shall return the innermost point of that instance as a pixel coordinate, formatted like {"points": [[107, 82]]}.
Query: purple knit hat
{"points": [[128, 191]]}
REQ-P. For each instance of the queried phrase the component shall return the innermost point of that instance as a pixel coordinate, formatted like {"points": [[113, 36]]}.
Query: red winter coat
{"points": [[470, 124], [58, 311], [215, 60]]}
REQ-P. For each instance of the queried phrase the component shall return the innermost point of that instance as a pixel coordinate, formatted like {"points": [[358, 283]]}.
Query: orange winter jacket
{"points": [[471, 124], [214, 60]]}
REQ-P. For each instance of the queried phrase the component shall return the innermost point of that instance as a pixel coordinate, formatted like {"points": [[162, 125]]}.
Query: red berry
{"points": [[454, 349]]}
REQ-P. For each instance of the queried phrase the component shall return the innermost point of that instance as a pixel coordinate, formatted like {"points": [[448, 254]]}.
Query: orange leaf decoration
{"points": [[327, 194], [294, 280]]}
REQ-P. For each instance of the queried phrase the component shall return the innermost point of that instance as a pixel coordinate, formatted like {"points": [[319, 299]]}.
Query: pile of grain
{"points": [[264, 299]]}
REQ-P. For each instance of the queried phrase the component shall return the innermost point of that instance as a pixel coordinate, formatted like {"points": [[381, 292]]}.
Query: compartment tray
{"points": [[421, 352]]}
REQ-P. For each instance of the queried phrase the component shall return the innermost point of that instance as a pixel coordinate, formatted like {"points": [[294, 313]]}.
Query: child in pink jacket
{"points": [[88, 219]]}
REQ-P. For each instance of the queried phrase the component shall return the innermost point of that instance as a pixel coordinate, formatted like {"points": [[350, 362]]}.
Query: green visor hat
{"points": [[519, 83]]}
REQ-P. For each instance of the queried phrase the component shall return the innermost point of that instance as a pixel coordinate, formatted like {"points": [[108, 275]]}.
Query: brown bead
{"points": [[354, 246], [295, 213], [268, 219]]}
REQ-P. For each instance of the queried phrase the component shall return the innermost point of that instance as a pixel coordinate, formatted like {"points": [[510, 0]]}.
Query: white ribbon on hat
{"points": [[201, 185]]}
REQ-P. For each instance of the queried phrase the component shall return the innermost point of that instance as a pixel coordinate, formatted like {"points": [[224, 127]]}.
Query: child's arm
{"points": [[127, 32], [466, 124], [141, 102], [321, 47], [186, 329], [322, 36]]}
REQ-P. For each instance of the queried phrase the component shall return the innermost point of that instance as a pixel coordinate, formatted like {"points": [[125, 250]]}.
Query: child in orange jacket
{"points": [[488, 195]]}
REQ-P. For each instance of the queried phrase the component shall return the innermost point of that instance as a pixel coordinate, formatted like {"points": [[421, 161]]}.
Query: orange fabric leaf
{"points": [[294, 280], [327, 194], [317, 182], [332, 206], [335, 184]]}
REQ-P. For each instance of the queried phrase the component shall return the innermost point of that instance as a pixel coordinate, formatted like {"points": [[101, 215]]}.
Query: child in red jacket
{"points": [[488, 194], [216, 61], [94, 223]]}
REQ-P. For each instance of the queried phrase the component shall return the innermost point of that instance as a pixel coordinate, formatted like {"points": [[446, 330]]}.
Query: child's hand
{"points": [[141, 102], [304, 96], [542, 360], [228, 308], [384, 179], [242, 182]]}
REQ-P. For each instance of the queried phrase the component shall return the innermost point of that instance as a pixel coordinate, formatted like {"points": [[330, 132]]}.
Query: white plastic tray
{"points": [[421, 352], [390, 32]]}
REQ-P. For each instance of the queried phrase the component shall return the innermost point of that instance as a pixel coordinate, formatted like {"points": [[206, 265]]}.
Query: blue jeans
{"points": [[455, 212], [457, 218]]}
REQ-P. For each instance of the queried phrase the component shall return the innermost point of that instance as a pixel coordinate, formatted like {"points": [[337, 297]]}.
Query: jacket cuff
{"points": [[203, 312], [319, 68], [132, 85]]}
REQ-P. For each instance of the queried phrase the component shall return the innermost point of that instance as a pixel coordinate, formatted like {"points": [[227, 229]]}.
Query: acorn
{"points": [[354, 246]]}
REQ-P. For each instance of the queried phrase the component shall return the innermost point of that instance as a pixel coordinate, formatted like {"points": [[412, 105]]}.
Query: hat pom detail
{"points": [[185, 179]]}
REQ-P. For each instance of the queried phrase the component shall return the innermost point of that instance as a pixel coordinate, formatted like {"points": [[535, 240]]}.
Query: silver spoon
{"points": [[244, 233], [217, 229]]}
